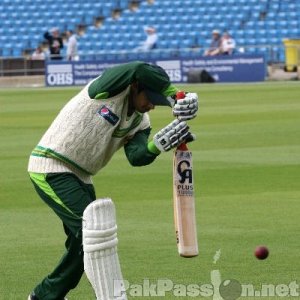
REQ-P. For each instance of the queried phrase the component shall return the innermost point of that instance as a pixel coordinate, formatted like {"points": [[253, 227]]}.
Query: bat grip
{"points": [[181, 95], [182, 147]]}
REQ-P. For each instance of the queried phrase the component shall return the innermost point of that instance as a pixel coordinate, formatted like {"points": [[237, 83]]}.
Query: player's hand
{"points": [[172, 135], [190, 138], [187, 107]]}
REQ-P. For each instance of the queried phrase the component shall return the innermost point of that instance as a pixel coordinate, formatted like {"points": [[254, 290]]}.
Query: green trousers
{"points": [[68, 197]]}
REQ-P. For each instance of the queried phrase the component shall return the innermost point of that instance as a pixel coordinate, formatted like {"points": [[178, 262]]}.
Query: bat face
{"points": [[184, 203], [185, 185]]}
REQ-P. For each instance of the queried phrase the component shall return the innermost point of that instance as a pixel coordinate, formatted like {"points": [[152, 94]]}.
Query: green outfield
{"points": [[247, 174]]}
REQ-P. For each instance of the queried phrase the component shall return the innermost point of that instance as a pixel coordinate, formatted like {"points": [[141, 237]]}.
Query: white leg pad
{"points": [[101, 262]]}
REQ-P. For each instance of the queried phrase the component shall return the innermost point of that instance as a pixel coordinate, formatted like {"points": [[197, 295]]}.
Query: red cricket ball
{"points": [[261, 252]]}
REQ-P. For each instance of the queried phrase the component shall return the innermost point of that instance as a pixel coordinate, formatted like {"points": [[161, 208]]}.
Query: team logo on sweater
{"points": [[108, 115]]}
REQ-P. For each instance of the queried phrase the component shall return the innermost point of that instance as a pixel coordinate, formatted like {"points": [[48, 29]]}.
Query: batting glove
{"points": [[172, 135], [186, 108]]}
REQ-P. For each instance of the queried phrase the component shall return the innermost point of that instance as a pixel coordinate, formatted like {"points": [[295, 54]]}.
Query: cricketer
{"points": [[109, 113]]}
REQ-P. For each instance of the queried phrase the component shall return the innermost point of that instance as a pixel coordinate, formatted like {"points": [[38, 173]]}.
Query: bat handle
{"points": [[181, 95], [182, 147]]}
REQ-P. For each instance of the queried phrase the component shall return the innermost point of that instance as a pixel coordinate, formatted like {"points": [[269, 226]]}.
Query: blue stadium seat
{"points": [[163, 44], [7, 50], [271, 33], [177, 25], [154, 55], [262, 32], [294, 25], [281, 54], [235, 24], [271, 24], [123, 4], [17, 50], [265, 51], [262, 41], [251, 33], [274, 54], [241, 41], [274, 6], [250, 50], [274, 40], [251, 41], [294, 15], [239, 33], [283, 32]]}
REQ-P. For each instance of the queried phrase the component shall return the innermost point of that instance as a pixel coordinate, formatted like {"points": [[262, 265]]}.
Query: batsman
{"points": [[109, 113]]}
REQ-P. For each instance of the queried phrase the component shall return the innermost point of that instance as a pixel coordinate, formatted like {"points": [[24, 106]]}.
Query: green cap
{"points": [[154, 81]]}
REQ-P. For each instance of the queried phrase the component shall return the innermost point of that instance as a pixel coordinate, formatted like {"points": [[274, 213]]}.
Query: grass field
{"points": [[247, 173]]}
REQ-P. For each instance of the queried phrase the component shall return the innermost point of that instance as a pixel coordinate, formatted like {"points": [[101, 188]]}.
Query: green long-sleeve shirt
{"points": [[113, 81]]}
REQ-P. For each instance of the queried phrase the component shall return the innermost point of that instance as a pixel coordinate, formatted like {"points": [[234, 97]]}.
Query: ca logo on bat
{"points": [[185, 172]]}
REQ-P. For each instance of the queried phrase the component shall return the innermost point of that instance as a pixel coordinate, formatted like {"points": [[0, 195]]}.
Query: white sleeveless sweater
{"points": [[85, 135]]}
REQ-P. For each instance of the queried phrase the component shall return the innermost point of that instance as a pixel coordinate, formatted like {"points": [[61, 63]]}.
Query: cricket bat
{"points": [[184, 202]]}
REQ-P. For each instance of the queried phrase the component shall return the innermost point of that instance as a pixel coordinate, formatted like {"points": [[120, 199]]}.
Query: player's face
{"points": [[141, 103]]}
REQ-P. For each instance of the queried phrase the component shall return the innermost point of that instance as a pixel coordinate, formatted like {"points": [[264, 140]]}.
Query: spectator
{"points": [[214, 48], [150, 42], [227, 44], [72, 46], [55, 43], [38, 54]]}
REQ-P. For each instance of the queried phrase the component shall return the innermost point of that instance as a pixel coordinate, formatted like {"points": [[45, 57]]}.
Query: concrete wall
{"points": [[22, 81]]}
